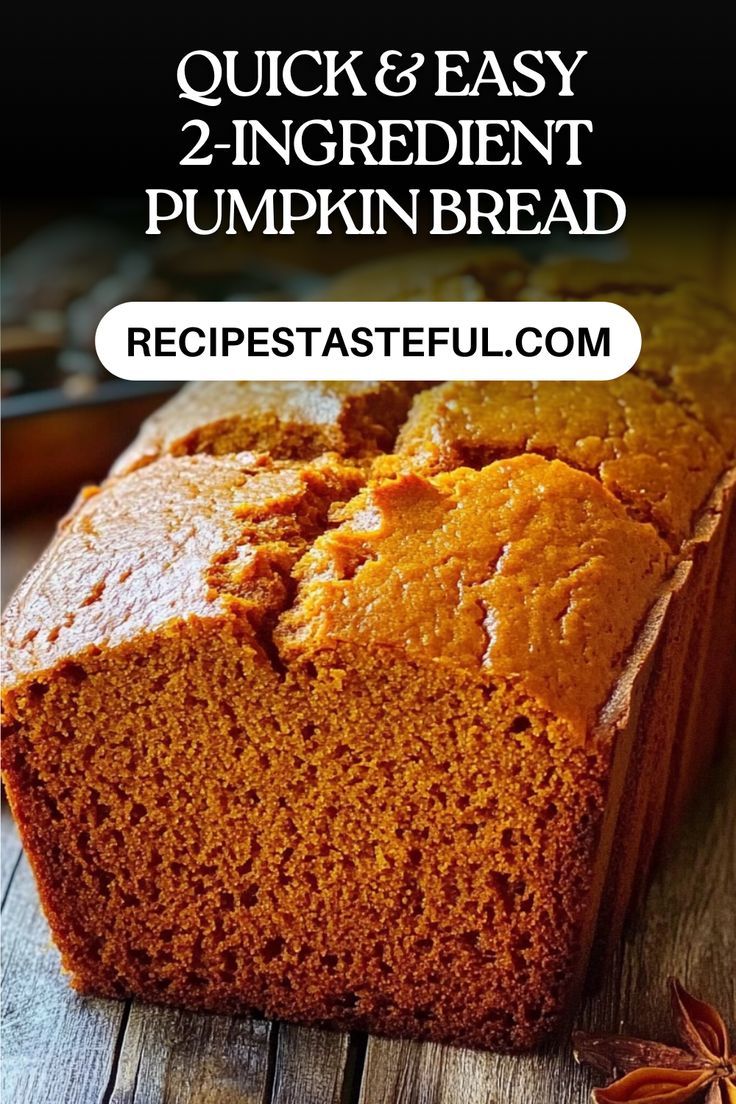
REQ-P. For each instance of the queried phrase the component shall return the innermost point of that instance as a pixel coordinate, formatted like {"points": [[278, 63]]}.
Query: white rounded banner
{"points": [[350, 341]]}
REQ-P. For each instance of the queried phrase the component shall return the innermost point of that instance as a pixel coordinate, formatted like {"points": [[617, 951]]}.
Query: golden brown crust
{"points": [[644, 448], [288, 420], [177, 541], [460, 570], [689, 342]]}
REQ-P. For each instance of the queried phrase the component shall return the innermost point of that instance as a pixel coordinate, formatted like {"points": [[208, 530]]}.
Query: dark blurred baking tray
{"points": [[52, 443]]}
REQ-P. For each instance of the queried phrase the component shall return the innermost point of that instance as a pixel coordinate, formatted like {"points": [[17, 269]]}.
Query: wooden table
{"points": [[59, 1048]]}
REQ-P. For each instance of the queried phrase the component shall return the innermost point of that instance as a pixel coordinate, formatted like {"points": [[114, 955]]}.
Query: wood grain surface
{"points": [[63, 1049]]}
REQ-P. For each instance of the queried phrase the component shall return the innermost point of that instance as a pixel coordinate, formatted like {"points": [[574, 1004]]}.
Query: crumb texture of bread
{"points": [[307, 708]]}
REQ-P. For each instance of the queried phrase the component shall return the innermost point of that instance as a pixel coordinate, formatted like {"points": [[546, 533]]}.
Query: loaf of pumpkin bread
{"points": [[335, 701]]}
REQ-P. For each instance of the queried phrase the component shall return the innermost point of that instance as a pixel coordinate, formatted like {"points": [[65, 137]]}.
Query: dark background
{"points": [[92, 118], [92, 108]]}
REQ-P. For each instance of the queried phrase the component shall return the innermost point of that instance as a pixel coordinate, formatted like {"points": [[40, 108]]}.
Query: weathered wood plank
{"points": [[399, 1072], [10, 848], [310, 1066], [57, 1046], [170, 1056], [685, 928]]}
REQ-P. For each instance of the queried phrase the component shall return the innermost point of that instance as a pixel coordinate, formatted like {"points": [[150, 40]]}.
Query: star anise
{"points": [[703, 1068]]}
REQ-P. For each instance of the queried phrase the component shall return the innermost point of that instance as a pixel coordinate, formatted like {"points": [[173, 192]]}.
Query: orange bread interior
{"points": [[322, 728]]}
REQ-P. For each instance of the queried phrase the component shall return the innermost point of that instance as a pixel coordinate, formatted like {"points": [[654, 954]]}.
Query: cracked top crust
{"points": [[646, 450], [461, 569], [191, 538], [413, 565], [519, 530], [288, 420], [689, 341]]}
